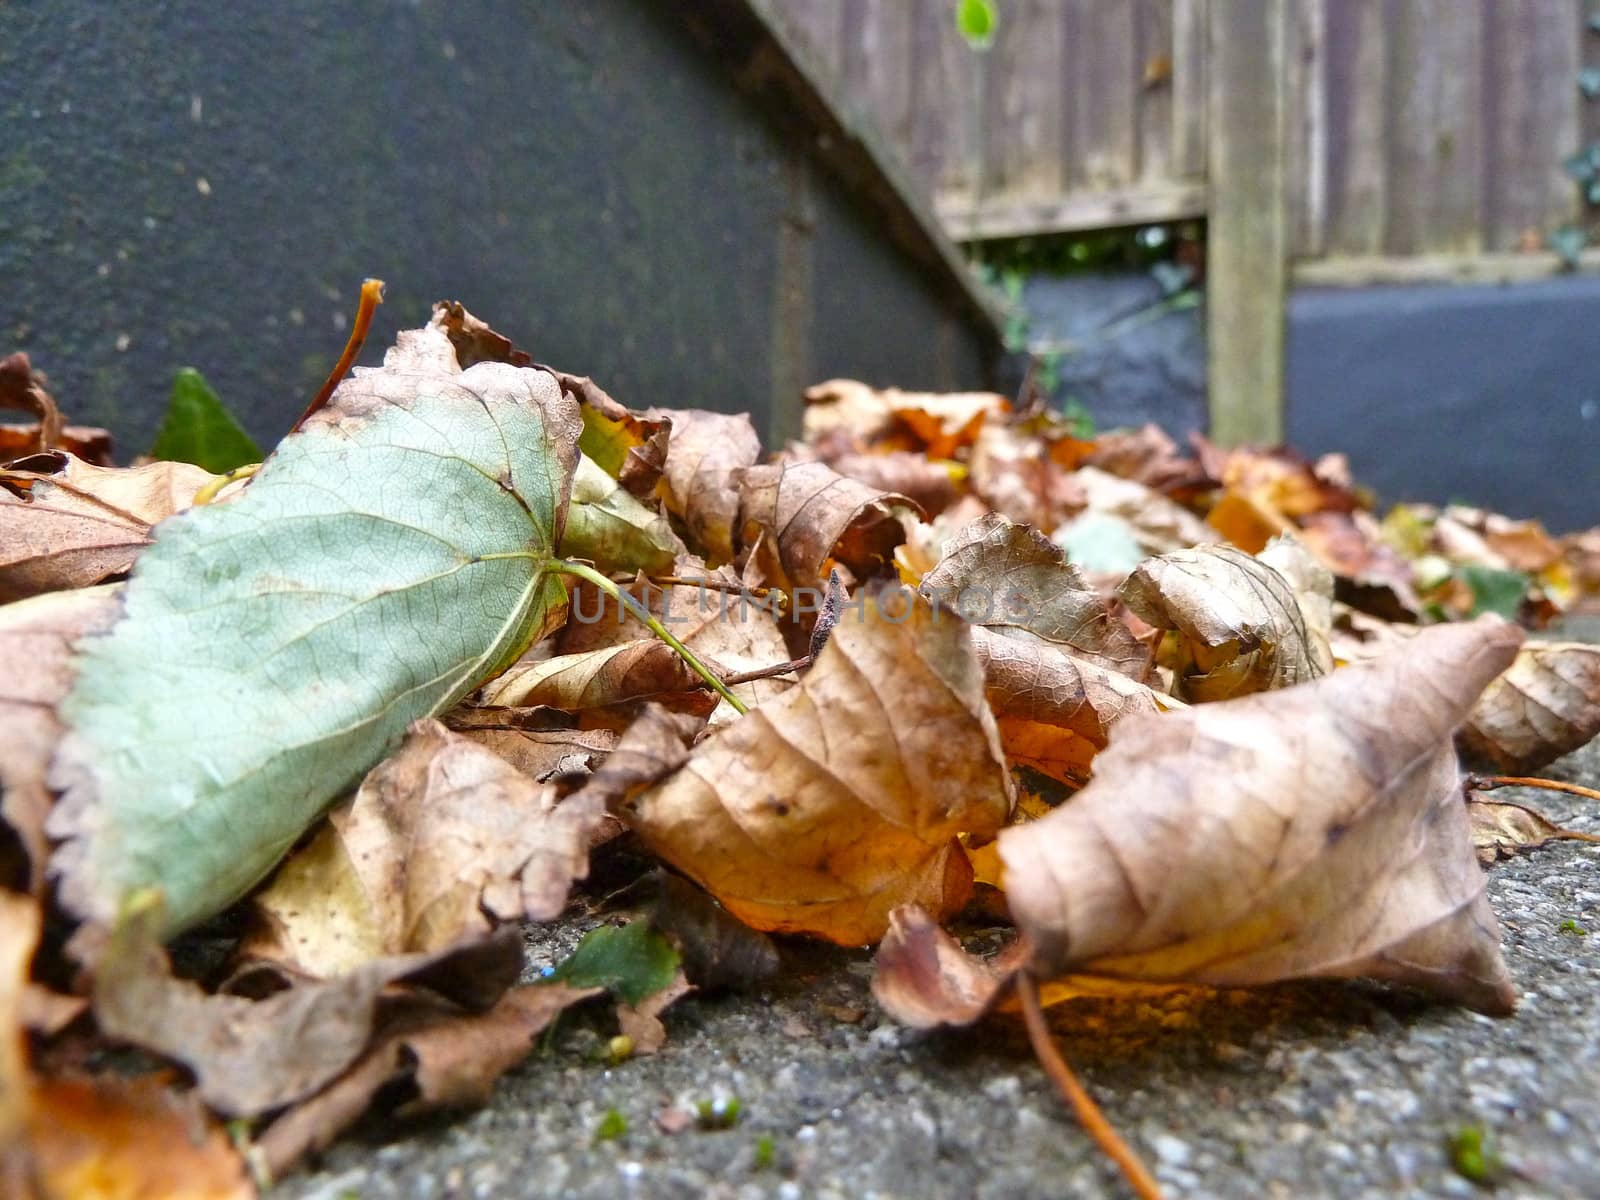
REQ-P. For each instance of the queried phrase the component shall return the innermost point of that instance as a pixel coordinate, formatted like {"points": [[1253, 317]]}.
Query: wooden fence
{"points": [[1414, 127], [1340, 140]]}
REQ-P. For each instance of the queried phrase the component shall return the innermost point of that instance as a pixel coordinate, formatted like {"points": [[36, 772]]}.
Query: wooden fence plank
{"points": [[1357, 73], [1435, 145], [1023, 96], [1247, 251], [1307, 124], [1153, 53], [1100, 55], [1530, 106], [1189, 88]]}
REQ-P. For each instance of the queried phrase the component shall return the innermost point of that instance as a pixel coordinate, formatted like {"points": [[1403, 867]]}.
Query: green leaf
{"points": [[631, 961], [1494, 590], [977, 20], [390, 556], [1579, 166], [1568, 243], [199, 430], [614, 531], [1589, 82]]}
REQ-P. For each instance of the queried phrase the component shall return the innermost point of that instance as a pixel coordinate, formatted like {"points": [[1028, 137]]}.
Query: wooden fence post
{"points": [[1247, 248]]}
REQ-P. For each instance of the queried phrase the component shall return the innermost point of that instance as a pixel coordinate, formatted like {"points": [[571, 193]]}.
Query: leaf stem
{"points": [[371, 297], [1082, 1104], [211, 490], [1487, 783], [610, 588]]}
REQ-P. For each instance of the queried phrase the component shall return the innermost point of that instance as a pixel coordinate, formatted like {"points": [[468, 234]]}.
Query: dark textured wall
{"points": [[1486, 394], [193, 184]]}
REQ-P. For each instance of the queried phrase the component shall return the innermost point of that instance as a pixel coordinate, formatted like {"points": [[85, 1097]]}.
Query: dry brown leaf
{"points": [[1145, 455], [704, 450], [1351, 546], [558, 756], [1013, 473], [924, 979], [19, 934], [1241, 625], [68, 524], [251, 1056], [641, 1023], [1318, 831], [1546, 704], [594, 678], [1160, 525], [942, 422], [111, 1138], [733, 629], [450, 1060], [1055, 712], [1501, 829], [929, 484], [824, 809], [36, 637], [809, 514], [1012, 579], [443, 841]]}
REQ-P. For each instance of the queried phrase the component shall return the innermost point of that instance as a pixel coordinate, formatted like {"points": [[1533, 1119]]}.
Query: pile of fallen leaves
{"points": [[289, 757]]}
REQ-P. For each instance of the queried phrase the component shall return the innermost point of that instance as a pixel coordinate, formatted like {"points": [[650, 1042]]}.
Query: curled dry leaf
{"points": [[698, 484], [826, 808], [251, 1056], [36, 637], [1501, 829], [723, 624], [594, 678], [1318, 831], [448, 1059], [930, 485], [67, 524], [1241, 625], [1013, 473], [924, 979], [1054, 711], [1012, 579], [286, 602], [807, 513], [1545, 705], [443, 841]]}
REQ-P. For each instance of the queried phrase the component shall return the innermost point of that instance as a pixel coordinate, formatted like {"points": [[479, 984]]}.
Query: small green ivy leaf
{"points": [[1589, 82], [1579, 166], [1494, 590], [1568, 243], [977, 21], [199, 430], [631, 962]]}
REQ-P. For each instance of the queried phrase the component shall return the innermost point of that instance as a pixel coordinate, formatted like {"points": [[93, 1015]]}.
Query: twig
{"points": [[783, 668], [710, 585], [1082, 1104], [610, 588], [1487, 783], [371, 297]]}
